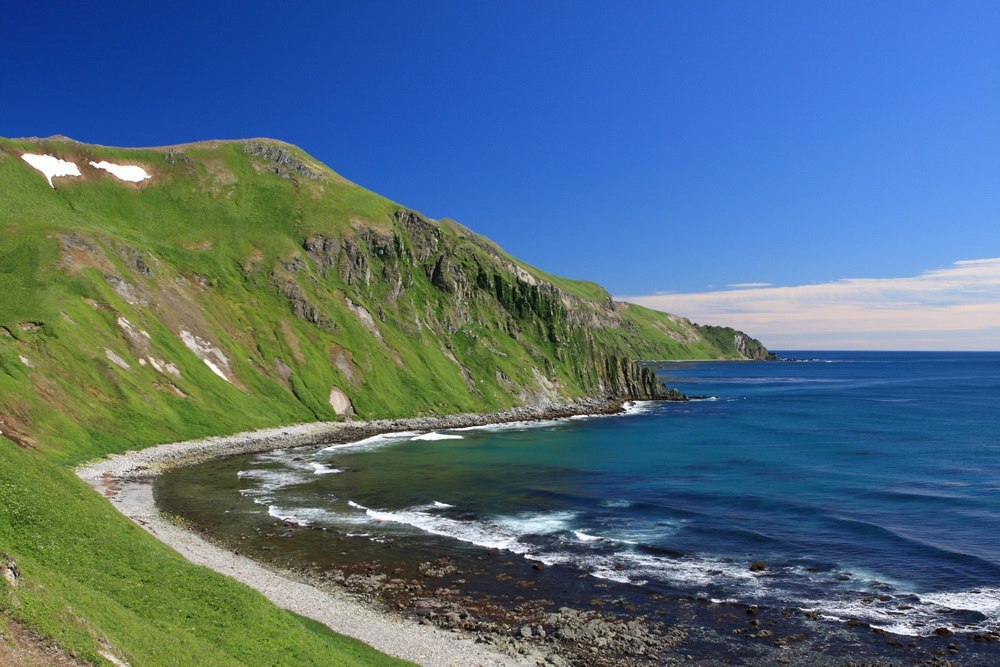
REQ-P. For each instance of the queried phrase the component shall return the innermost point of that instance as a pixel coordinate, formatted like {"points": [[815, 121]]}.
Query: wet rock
{"points": [[439, 568], [758, 566]]}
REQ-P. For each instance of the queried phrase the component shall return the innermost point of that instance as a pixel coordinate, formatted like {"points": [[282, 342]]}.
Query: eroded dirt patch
{"points": [[21, 646]]}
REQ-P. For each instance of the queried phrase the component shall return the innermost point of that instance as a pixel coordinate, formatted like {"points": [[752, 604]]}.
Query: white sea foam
{"points": [[123, 172], [268, 480], [509, 533], [537, 524], [513, 426], [910, 622], [320, 469], [638, 407], [474, 533], [615, 575], [434, 435], [694, 572], [433, 505], [51, 166], [586, 537], [986, 601], [920, 614], [285, 515], [374, 442], [504, 533]]}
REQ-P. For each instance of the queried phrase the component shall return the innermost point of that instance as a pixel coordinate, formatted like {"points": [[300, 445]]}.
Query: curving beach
{"points": [[126, 481]]}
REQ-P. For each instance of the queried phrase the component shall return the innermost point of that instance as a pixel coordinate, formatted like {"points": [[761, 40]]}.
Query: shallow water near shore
{"points": [[864, 486]]}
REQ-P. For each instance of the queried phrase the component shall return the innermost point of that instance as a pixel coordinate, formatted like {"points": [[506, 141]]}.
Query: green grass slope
{"points": [[246, 285]]}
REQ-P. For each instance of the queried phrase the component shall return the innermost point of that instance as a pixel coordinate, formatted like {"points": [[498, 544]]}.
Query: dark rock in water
{"points": [[758, 566], [943, 632]]}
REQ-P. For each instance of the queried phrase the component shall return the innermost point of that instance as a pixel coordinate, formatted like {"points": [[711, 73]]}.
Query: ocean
{"points": [[852, 485]]}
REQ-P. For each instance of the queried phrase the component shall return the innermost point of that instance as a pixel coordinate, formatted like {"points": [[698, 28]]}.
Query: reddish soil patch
{"points": [[21, 646]]}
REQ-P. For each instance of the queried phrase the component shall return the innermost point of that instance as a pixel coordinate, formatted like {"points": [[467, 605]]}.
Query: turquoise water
{"points": [[868, 484]]}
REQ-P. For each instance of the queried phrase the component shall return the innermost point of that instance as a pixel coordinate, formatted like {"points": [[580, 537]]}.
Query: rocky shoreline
{"points": [[497, 611], [149, 462], [506, 603], [126, 480]]}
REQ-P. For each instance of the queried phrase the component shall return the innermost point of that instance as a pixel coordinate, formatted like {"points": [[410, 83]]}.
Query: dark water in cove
{"points": [[867, 483]]}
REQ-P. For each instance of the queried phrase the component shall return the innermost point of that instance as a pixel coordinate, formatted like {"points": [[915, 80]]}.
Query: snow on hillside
{"points": [[51, 166], [130, 173]]}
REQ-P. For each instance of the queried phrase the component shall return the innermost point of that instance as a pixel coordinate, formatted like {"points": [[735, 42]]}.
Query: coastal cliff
{"points": [[243, 284], [157, 295]]}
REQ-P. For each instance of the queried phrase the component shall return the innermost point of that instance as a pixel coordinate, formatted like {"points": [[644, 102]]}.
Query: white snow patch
{"points": [[51, 166], [26, 361], [213, 357], [123, 172]]}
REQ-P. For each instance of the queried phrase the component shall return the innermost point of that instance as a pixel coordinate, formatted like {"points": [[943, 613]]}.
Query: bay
{"points": [[856, 485]]}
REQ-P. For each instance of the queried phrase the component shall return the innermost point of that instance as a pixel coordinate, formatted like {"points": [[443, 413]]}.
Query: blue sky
{"points": [[655, 147]]}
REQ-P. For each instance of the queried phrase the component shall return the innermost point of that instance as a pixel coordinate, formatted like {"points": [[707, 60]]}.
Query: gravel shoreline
{"points": [[455, 630], [126, 480]]}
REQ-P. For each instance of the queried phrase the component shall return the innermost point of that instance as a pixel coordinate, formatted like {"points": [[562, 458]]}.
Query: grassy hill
{"points": [[244, 285]]}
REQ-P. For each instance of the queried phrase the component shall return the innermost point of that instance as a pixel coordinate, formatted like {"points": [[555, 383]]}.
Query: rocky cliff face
{"points": [[245, 283], [736, 343]]}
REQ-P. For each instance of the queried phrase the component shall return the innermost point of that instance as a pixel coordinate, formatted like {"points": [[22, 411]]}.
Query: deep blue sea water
{"points": [[868, 484]]}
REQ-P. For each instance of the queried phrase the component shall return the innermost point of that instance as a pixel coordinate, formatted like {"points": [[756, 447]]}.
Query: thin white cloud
{"points": [[745, 285], [957, 307]]}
